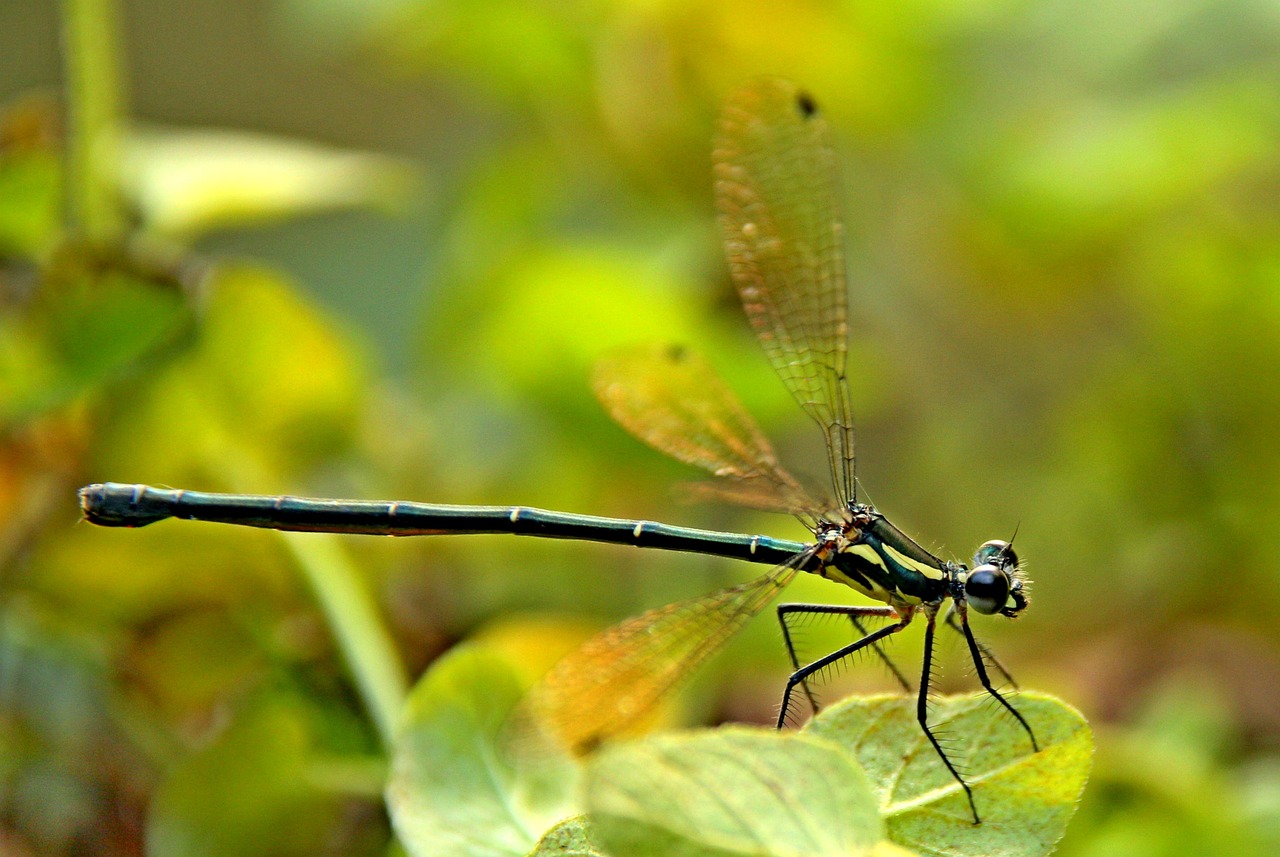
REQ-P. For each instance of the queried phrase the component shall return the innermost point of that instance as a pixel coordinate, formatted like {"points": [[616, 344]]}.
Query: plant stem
{"points": [[94, 108], [353, 617]]}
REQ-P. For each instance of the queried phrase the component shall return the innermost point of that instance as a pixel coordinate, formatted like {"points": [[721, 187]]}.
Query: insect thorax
{"points": [[875, 558]]}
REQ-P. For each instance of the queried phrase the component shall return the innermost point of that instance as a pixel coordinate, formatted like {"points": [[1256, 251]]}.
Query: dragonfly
{"points": [[775, 188]]}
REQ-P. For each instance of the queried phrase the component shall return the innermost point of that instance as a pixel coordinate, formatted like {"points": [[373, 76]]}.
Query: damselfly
{"points": [[775, 189]]}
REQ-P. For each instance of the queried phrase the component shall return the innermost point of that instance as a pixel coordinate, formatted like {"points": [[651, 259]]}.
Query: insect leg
{"points": [[855, 613], [802, 673], [976, 651], [922, 708], [987, 654]]}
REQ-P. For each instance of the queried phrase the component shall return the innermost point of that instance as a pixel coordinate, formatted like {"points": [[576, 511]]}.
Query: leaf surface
{"points": [[457, 787], [733, 791], [1025, 798]]}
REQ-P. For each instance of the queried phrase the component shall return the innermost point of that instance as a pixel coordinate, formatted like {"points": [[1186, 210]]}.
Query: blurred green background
{"points": [[372, 249]]}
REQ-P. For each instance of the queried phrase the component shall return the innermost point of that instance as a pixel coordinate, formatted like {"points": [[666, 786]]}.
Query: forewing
{"points": [[784, 242], [672, 400]]}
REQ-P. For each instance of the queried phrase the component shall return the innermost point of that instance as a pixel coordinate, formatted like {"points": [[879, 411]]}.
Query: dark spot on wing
{"points": [[808, 107], [677, 353]]}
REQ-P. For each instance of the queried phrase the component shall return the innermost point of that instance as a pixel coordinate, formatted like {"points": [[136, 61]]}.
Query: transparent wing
{"points": [[784, 241], [752, 495], [672, 400], [611, 683]]}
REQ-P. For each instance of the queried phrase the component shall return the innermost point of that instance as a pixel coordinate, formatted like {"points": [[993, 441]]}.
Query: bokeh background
{"points": [[372, 249]]}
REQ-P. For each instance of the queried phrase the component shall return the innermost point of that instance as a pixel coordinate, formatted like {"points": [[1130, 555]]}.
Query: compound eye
{"points": [[996, 552], [986, 589]]}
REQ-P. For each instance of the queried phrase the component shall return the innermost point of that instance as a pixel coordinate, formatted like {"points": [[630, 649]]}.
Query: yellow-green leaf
{"points": [[569, 838], [457, 786], [733, 791], [1025, 798]]}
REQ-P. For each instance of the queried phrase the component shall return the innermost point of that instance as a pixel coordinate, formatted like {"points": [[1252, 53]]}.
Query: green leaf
{"points": [[1025, 798], [88, 330], [733, 791], [457, 785], [569, 838]]}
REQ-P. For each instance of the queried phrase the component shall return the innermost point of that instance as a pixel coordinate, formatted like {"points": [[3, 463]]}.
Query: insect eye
{"points": [[986, 589], [996, 552]]}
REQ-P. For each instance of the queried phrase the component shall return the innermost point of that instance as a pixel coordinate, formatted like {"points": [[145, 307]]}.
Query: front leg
{"points": [[982, 647], [976, 651]]}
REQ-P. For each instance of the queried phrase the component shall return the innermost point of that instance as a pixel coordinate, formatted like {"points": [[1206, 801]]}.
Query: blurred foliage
{"points": [[1065, 265]]}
